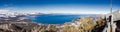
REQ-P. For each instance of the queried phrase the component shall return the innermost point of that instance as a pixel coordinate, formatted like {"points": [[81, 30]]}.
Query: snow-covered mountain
{"points": [[14, 14]]}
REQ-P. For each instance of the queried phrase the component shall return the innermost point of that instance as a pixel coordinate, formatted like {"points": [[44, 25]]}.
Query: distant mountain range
{"points": [[14, 14]]}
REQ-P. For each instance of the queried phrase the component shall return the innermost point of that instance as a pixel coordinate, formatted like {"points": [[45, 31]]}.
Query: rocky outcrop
{"points": [[87, 24], [16, 26]]}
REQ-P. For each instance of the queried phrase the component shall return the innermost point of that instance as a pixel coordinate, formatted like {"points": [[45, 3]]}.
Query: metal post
{"points": [[111, 17]]}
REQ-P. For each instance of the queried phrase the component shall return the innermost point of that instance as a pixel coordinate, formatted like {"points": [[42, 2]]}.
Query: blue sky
{"points": [[59, 6]]}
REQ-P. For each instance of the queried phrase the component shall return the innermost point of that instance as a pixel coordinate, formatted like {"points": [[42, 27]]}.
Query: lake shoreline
{"points": [[30, 26]]}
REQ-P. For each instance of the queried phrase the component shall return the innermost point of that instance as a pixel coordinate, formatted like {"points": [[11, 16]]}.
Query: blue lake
{"points": [[54, 18]]}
